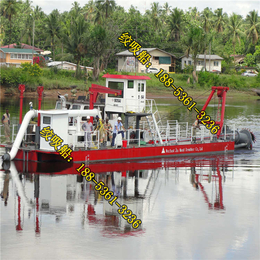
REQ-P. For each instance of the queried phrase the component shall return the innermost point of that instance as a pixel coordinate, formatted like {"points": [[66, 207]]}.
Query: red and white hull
{"points": [[132, 153]]}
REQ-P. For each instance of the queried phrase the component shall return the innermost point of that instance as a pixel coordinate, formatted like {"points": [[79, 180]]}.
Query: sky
{"points": [[242, 7]]}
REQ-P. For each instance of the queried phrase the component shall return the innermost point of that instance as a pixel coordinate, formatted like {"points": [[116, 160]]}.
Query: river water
{"points": [[190, 208]]}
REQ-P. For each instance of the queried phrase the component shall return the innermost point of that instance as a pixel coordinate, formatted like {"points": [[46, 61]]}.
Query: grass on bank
{"points": [[63, 79]]}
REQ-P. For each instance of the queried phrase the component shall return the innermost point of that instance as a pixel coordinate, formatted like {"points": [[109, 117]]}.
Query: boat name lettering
{"points": [[117, 100], [183, 150], [104, 191]]}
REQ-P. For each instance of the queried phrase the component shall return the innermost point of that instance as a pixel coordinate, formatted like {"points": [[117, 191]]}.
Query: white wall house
{"points": [[160, 59], [213, 62], [66, 65]]}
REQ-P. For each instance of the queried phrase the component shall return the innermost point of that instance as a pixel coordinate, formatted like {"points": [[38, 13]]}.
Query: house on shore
{"points": [[67, 65], [160, 59], [15, 56], [213, 62]]}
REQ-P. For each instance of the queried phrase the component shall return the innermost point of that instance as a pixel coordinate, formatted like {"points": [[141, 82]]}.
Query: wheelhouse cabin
{"points": [[133, 93]]}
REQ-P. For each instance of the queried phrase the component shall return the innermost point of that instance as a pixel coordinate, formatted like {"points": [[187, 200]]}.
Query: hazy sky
{"points": [[242, 7]]}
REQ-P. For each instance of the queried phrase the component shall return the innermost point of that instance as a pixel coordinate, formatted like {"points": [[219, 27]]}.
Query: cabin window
{"points": [[142, 87], [130, 84], [46, 120], [139, 87], [215, 63], [116, 85], [85, 107], [189, 62], [75, 107]]}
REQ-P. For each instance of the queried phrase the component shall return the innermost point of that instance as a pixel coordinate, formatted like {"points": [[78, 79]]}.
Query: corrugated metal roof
{"points": [[201, 56], [113, 76], [16, 50], [56, 63], [128, 53]]}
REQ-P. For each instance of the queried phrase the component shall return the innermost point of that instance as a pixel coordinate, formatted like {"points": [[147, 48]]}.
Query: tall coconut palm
{"points": [[235, 29], [166, 9], [219, 20], [97, 44], [89, 10], [174, 22], [53, 29], [107, 6], [194, 43], [73, 40], [155, 15], [254, 26], [9, 9], [206, 18]]}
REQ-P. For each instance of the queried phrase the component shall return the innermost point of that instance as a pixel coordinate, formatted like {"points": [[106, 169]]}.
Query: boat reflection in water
{"points": [[136, 185]]}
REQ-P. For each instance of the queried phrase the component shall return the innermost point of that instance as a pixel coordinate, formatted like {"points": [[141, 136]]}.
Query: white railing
{"points": [[14, 131]]}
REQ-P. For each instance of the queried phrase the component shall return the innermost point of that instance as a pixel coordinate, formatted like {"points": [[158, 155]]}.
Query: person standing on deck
{"points": [[107, 128], [88, 128], [6, 122], [100, 129], [117, 129]]}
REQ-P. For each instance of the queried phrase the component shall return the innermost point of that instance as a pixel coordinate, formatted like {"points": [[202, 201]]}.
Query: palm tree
{"points": [[89, 10], [53, 29], [195, 44], [235, 29], [206, 19], [107, 6], [155, 15], [219, 20], [9, 9], [73, 40], [166, 8], [174, 23], [97, 44], [254, 26]]}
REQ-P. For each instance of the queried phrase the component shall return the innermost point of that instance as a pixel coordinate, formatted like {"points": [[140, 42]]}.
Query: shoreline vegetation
{"points": [[63, 80]]}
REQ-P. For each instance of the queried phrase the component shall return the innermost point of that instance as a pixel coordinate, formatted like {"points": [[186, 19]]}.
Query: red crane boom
{"points": [[221, 93]]}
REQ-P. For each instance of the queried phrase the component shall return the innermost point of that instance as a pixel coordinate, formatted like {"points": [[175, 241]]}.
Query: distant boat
{"points": [[257, 91]]}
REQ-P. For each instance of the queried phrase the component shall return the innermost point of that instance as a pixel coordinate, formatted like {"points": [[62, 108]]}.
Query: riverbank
{"points": [[164, 94]]}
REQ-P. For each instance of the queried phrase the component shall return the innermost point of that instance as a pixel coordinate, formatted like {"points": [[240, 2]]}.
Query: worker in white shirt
{"points": [[117, 130]]}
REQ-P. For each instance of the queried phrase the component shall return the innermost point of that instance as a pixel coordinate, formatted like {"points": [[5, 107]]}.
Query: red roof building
{"points": [[23, 46]]}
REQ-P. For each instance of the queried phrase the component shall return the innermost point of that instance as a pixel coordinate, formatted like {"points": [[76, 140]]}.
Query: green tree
{"points": [[106, 6], [253, 22], [235, 30], [97, 45], [53, 29], [174, 22], [9, 9], [155, 14], [194, 43], [73, 39], [220, 20], [206, 18]]}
